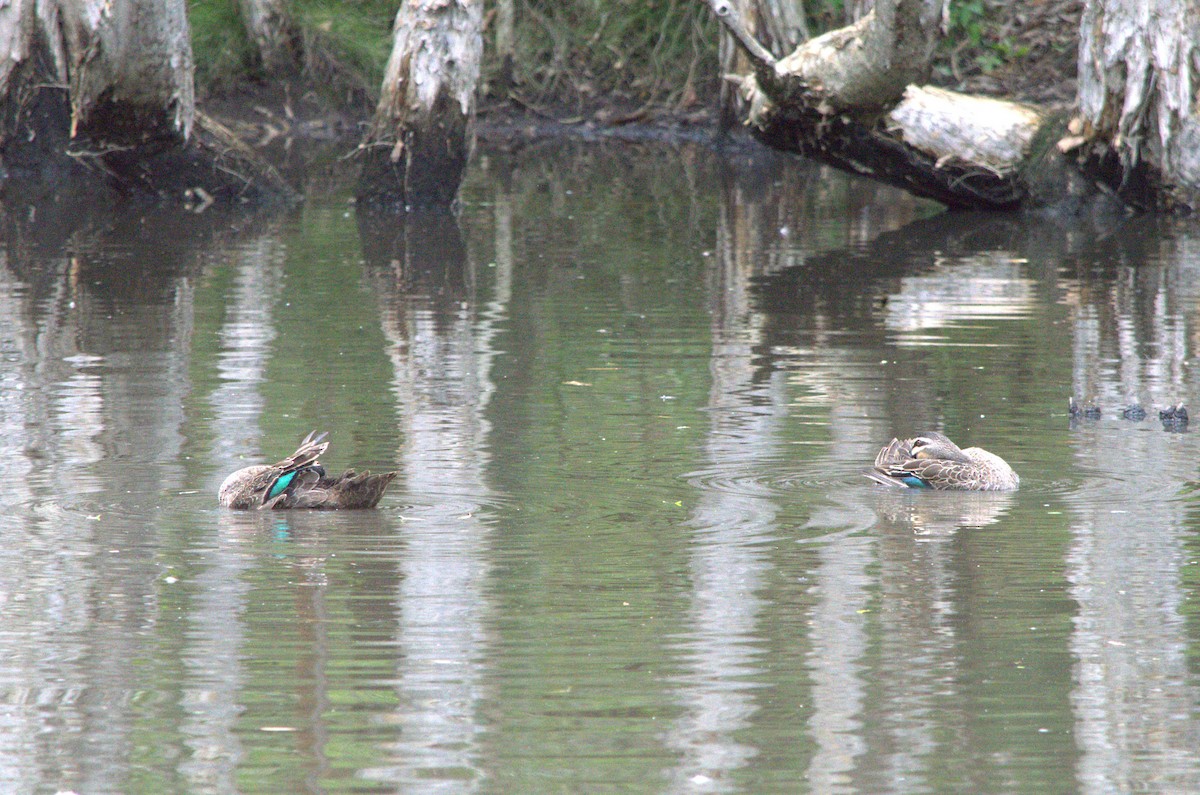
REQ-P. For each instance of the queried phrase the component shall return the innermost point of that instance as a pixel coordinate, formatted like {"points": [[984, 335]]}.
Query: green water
{"points": [[630, 395]]}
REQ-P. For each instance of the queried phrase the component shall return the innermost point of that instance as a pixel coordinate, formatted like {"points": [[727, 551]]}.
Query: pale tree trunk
{"points": [[783, 24], [422, 132], [101, 92], [130, 68], [275, 35], [780, 26], [1139, 93], [124, 66], [505, 26], [730, 60], [853, 97], [850, 97]]}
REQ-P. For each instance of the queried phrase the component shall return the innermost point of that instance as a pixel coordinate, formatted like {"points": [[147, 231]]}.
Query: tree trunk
{"points": [[1139, 78], [422, 133], [730, 60], [852, 97], [505, 28], [275, 35], [94, 91], [126, 67], [779, 24], [130, 69]]}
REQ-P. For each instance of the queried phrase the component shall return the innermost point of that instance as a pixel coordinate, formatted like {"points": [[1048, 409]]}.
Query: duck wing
{"points": [[311, 488], [939, 473], [888, 469], [307, 453], [298, 472]]}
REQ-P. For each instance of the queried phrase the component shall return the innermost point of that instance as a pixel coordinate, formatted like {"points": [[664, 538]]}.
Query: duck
{"points": [[299, 481], [932, 461], [1177, 414]]}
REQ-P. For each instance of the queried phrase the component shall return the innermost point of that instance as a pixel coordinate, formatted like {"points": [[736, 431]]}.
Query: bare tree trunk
{"points": [[853, 98], [730, 60], [783, 24], [422, 133], [779, 24], [275, 35], [1139, 89], [94, 91], [130, 69], [505, 45], [841, 98]]}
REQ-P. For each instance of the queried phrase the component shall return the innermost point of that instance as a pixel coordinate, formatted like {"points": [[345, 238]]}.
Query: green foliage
{"points": [[966, 21], [588, 54], [585, 51], [219, 44], [974, 38], [346, 42], [579, 51]]}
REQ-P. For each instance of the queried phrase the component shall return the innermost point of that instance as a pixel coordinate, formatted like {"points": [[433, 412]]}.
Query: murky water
{"points": [[630, 396]]}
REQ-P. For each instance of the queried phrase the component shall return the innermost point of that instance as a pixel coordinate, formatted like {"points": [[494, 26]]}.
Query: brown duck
{"points": [[299, 481], [932, 461]]}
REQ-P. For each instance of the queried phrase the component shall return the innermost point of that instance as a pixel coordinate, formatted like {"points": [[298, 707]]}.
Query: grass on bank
{"points": [[573, 55]]}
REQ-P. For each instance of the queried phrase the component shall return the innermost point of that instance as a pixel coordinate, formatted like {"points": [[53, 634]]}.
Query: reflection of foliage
{"points": [[327, 344], [1189, 573]]}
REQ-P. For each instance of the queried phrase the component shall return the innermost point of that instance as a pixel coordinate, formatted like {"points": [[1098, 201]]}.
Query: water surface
{"points": [[630, 394]]}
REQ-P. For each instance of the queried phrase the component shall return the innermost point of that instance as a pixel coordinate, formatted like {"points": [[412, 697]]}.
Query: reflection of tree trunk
{"points": [[441, 351], [853, 97], [421, 136], [274, 33], [423, 254]]}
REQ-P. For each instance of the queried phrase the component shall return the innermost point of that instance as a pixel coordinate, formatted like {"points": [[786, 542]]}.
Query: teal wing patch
{"points": [[280, 485]]}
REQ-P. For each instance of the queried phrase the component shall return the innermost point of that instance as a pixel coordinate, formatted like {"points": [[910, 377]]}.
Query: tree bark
{"points": [[422, 133], [853, 98], [100, 92], [275, 35], [779, 24], [1139, 77], [130, 73], [505, 28], [124, 67]]}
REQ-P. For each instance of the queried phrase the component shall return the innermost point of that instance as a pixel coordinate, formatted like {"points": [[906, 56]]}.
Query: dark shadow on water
{"points": [[418, 254]]}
